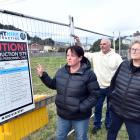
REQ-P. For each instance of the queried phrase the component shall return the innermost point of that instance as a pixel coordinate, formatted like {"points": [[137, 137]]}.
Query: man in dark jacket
{"points": [[125, 96], [77, 92]]}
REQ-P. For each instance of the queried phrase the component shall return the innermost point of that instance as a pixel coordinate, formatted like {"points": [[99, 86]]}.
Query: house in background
{"points": [[35, 48], [49, 48]]}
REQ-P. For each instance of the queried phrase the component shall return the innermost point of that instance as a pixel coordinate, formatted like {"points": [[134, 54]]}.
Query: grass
{"points": [[102, 134], [51, 64]]}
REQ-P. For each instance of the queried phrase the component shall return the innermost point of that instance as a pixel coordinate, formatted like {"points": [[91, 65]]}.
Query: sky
{"points": [[102, 16]]}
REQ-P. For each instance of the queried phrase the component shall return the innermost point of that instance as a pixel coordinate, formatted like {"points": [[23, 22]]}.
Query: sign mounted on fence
{"points": [[16, 94]]}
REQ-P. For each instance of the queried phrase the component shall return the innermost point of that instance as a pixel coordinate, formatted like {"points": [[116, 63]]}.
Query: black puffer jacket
{"points": [[76, 93], [125, 96]]}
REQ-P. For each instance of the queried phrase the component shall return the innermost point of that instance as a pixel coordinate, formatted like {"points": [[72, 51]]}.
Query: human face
{"points": [[72, 59], [105, 46], [135, 51]]}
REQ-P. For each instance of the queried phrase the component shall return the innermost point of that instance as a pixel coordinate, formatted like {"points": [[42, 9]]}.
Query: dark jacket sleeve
{"points": [[48, 81], [113, 80], [93, 93]]}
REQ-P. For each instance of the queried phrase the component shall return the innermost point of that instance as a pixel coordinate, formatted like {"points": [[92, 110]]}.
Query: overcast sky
{"points": [[103, 16]]}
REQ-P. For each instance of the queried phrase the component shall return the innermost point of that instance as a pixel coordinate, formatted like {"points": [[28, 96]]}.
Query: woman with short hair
{"points": [[77, 91], [125, 96]]}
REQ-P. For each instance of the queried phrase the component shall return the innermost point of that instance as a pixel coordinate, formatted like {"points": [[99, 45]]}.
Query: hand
{"points": [[77, 38], [39, 70]]}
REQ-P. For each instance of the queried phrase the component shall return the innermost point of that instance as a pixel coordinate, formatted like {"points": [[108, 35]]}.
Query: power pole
{"points": [[114, 42], [86, 45], [119, 43]]}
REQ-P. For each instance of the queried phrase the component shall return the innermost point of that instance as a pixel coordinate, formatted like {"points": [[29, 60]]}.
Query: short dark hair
{"points": [[77, 49]]}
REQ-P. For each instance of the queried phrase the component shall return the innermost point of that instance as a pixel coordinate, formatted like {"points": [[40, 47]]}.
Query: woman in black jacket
{"points": [[77, 92], [125, 96]]}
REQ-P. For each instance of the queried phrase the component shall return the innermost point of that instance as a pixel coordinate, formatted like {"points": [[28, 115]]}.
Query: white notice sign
{"points": [[16, 95]]}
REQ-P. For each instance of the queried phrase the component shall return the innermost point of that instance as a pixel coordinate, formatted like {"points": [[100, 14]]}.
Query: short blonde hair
{"points": [[107, 40], [135, 41]]}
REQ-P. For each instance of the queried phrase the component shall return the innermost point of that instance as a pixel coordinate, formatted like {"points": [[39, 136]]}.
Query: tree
{"points": [[95, 47], [49, 41], [11, 27], [123, 46], [137, 33], [38, 40]]}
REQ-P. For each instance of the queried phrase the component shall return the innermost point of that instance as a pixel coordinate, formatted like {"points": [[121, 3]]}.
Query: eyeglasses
{"points": [[103, 44], [135, 50]]}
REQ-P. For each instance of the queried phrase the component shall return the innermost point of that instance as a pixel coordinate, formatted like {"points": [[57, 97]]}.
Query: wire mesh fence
{"points": [[46, 32]]}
